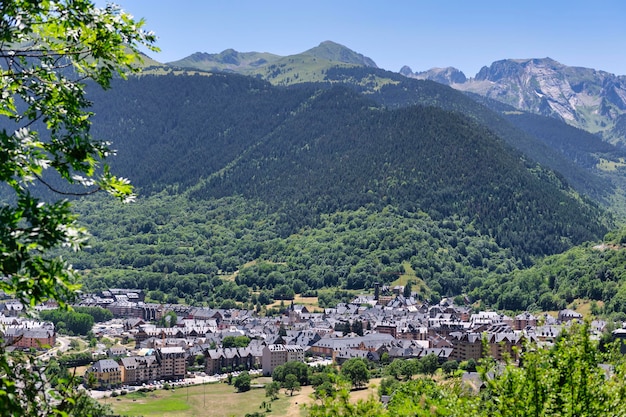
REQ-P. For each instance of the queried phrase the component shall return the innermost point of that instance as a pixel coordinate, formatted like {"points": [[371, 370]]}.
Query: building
{"points": [[39, 338], [466, 346], [276, 355], [524, 320], [172, 362], [137, 370], [105, 373], [569, 315]]}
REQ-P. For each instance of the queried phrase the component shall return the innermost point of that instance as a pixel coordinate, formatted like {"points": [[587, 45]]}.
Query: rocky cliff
{"points": [[586, 98]]}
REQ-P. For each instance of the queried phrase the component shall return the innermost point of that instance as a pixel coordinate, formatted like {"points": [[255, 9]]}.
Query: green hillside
{"points": [[341, 153], [332, 63], [593, 272], [226, 61]]}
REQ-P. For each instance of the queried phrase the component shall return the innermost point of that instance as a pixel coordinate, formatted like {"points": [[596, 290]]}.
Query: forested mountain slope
{"points": [[312, 149], [398, 91], [340, 153], [334, 63], [177, 129], [316, 186]]}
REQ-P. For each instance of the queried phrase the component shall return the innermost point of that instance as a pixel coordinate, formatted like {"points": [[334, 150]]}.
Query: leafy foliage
{"points": [[48, 50], [563, 379], [592, 272], [298, 369], [242, 382], [355, 370], [71, 322]]}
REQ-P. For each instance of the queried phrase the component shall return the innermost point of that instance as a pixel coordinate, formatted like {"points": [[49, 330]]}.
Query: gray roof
{"points": [[105, 365]]}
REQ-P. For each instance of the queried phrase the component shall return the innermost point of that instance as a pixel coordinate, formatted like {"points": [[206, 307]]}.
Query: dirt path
{"points": [[299, 398]]}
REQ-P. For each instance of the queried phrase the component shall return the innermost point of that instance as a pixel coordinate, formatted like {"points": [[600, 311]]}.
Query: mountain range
{"points": [[587, 98], [590, 99]]}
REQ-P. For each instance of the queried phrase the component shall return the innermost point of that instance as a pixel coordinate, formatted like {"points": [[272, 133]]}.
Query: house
{"points": [[466, 346], [231, 359], [505, 345], [37, 338], [521, 321], [569, 315], [132, 323], [412, 332], [11, 308], [547, 333], [116, 351], [390, 328]]}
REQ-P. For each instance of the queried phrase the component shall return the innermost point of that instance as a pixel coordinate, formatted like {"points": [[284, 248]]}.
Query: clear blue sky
{"points": [[466, 34]]}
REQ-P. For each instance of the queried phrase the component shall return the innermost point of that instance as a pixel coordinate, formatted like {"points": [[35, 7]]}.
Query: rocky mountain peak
{"points": [[448, 75], [583, 97], [508, 68]]}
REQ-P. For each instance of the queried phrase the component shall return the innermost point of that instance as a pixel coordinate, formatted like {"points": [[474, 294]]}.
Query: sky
{"points": [[465, 34]]}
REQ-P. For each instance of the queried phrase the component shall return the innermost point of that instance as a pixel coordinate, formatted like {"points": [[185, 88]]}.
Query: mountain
{"points": [[228, 60], [448, 75], [589, 99], [333, 63], [315, 149], [579, 168], [586, 98], [308, 66], [335, 52], [316, 186]]}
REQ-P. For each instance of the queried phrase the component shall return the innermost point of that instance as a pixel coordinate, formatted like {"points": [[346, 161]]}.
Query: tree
{"points": [[407, 290], [291, 383], [429, 363], [70, 321], [340, 404], [565, 379], [449, 367], [297, 368], [48, 51], [242, 382], [387, 386], [235, 341], [357, 327], [169, 320], [394, 369], [272, 389], [355, 370]]}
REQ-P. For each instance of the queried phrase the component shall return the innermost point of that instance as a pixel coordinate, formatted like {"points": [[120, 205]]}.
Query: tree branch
{"points": [[66, 192]]}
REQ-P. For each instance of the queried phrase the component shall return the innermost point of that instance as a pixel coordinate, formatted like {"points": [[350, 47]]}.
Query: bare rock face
{"points": [[586, 98], [448, 75]]}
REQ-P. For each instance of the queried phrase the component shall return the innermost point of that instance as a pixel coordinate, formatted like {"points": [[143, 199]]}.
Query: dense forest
{"points": [[171, 245]]}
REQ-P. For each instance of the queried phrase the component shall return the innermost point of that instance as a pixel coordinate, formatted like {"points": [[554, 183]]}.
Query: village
{"points": [[376, 327]]}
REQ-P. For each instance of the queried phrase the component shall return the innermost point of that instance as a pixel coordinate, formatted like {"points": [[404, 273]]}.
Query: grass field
{"points": [[213, 400], [409, 275], [217, 400], [310, 303]]}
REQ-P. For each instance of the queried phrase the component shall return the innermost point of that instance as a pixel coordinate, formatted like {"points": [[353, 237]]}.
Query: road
{"points": [[62, 345]]}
